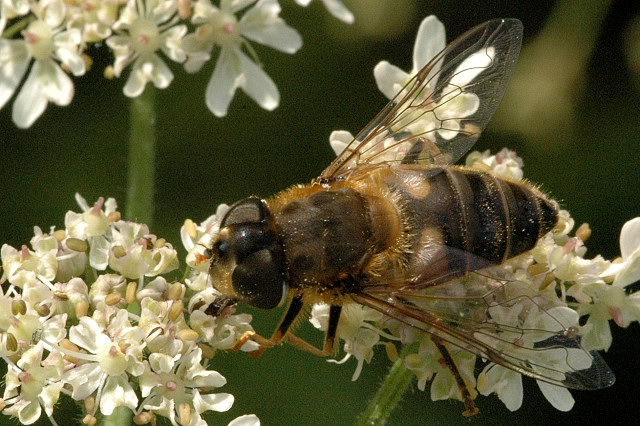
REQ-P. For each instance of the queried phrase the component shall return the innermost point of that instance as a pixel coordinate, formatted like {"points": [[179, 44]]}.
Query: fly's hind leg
{"points": [[329, 337], [447, 358]]}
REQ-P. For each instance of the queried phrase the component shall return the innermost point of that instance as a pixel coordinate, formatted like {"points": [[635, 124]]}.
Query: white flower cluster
{"points": [[48, 39], [87, 312], [556, 277]]}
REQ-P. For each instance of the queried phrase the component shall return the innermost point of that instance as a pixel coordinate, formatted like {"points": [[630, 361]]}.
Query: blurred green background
{"points": [[572, 113]]}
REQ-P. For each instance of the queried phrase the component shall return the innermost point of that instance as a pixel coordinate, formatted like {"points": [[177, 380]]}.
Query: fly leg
{"points": [[295, 306], [447, 359], [329, 337], [282, 332]]}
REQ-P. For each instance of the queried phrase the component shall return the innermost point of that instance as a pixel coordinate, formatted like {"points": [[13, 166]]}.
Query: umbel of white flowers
{"points": [[47, 39]]}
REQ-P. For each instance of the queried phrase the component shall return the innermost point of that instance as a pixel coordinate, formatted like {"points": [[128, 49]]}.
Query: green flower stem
{"points": [[18, 26], [393, 387], [141, 161]]}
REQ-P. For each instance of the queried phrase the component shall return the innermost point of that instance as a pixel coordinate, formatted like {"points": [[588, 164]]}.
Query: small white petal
{"points": [[14, 60], [457, 105], [557, 396], [117, 392], [128, 15], [74, 61], [67, 50], [214, 401], [258, 85], [84, 379], [160, 11], [54, 12], [195, 62], [450, 129], [161, 363], [29, 413], [630, 238], [598, 334], [135, 83], [88, 335], [262, 24], [172, 46], [122, 52], [50, 396], [236, 5], [389, 78], [246, 420], [30, 102], [431, 39], [512, 394], [150, 68], [337, 9], [630, 274], [198, 52], [339, 139], [56, 84], [99, 252], [223, 83], [161, 74], [472, 66], [84, 206], [279, 36]]}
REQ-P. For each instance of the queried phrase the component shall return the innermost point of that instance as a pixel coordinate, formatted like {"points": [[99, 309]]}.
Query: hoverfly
{"points": [[391, 224]]}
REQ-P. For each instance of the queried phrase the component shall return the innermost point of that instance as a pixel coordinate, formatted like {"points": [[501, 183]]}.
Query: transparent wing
{"points": [[503, 321], [439, 114]]}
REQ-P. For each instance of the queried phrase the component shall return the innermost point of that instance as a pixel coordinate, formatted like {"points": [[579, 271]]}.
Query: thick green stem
{"points": [[393, 387], [141, 161]]}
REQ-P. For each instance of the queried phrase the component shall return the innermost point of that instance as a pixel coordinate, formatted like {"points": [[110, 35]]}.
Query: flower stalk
{"points": [[17, 27], [394, 385], [141, 157]]}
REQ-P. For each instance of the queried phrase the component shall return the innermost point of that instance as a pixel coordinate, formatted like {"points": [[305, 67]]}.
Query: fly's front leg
{"points": [[295, 306], [282, 333]]}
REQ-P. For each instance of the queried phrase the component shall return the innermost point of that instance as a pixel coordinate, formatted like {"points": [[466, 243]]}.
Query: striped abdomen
{"points": [[464, 219]]}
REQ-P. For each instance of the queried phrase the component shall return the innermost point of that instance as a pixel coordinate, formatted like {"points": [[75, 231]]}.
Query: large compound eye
{"points": [[249, 210], [249, 263], [259, 280], [245, 229]]}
